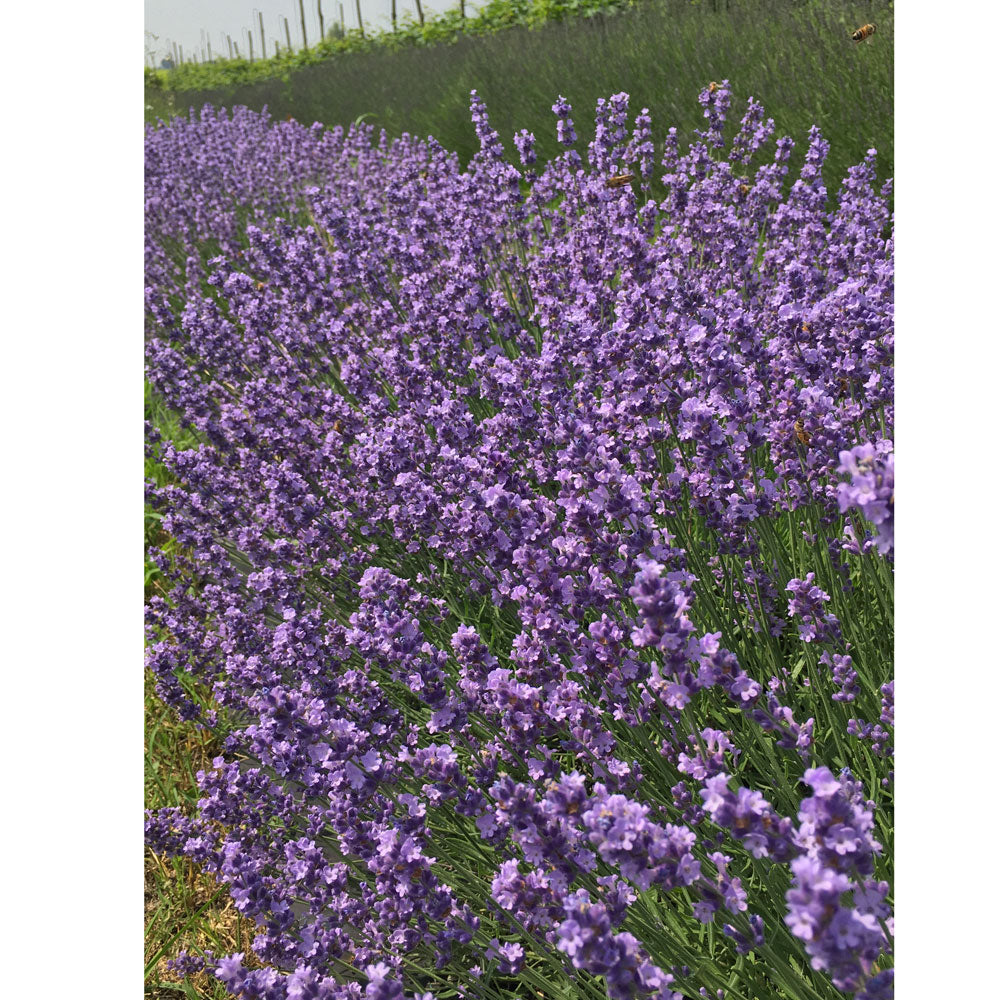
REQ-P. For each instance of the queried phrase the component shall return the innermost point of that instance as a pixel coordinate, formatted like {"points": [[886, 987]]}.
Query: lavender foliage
{"points": [[504, 476]]}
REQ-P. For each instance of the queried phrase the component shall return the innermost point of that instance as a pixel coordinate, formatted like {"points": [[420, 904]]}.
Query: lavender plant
{"points": [[504, 479]]}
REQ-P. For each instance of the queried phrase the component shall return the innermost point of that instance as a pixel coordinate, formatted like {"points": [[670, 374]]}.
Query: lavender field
{"points": [[524, 545]]}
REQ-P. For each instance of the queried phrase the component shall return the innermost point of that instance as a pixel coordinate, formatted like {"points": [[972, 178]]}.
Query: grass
{"points": [[170, 429], [794, 56], [184, 908]]}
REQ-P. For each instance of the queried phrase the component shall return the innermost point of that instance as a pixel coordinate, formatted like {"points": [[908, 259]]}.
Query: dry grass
{"points": [[184, 908]]}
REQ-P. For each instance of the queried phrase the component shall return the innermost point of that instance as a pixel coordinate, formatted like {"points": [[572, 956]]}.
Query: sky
{"points": [[184, 21]]}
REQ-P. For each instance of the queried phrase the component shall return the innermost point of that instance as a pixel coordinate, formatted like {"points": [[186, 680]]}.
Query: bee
{"points": [[261, 286], [865, 31], [713, 87], [801, 433], [845, 386], [744, 189], [618, 180], [336, 426]]}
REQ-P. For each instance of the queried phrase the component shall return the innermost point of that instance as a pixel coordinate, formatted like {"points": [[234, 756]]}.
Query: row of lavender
{"points": [[536, 559]]}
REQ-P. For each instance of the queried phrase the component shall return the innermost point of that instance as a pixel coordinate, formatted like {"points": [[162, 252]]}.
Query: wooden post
{"points": [[302, 15], [319, 10], [462, 8], [420, 12], [229, 42], [288, 35], [343, 29], [263, 43], [250, 40], [180, 48], [361, 27], [393, 15], [209, 49], [236, 46]]}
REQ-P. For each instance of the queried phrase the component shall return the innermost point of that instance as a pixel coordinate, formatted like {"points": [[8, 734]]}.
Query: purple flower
{"points": [[749, 816], [525, 143], [871, 468], [564, 124], [510, 956], [382, 984], [231, 971], [806, 604], [450, 451], [586, 937]]}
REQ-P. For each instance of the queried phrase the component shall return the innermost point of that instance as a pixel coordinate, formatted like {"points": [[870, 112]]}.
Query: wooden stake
{"points": [[420, 11], [302, 15], [263, 44], [361, 27], [319, 10]]}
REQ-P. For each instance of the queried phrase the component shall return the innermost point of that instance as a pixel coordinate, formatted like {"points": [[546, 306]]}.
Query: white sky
{"points": [[183, 21]]}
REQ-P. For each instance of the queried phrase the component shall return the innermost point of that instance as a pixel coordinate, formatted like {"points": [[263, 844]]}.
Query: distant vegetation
{"points": [[494, 16], [795, 56]]}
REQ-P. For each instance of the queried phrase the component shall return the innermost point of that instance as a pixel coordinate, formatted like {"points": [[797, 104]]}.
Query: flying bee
{"points": [[801, 433], [261, 286], [865, 31], [618, 180], [713, 87], [744, 189]]}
